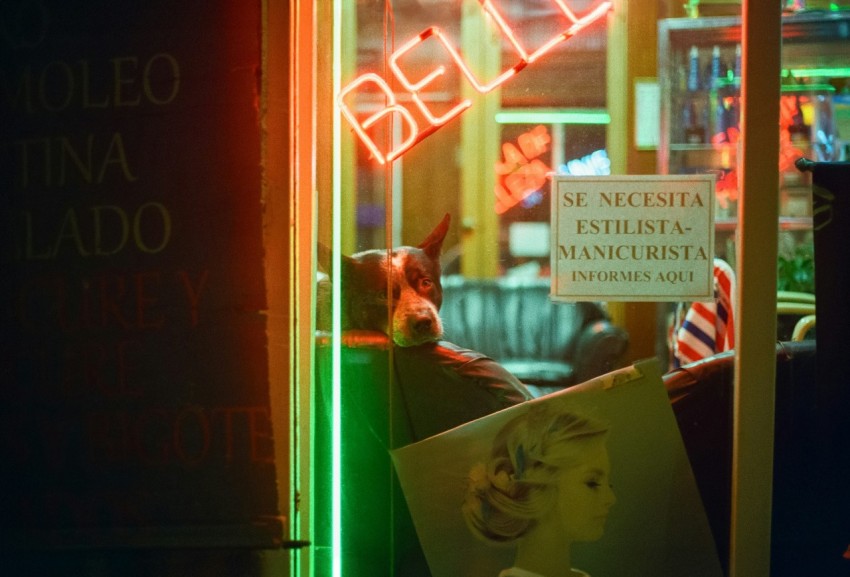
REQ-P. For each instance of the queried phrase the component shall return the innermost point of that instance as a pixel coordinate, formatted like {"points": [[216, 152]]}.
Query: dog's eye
{"points": [[426, 283]]}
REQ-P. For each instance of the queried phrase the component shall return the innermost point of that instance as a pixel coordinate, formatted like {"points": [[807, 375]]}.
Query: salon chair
{"points": [[811, 481], [547, 345], [391, 397]]}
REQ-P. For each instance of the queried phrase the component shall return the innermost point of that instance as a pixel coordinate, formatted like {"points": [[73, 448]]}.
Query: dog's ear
{"points": [[348, 267], [433, 243], [325, 257]]}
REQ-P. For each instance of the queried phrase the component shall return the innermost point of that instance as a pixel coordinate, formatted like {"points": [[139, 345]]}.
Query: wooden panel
{"points": [[135, 357]]}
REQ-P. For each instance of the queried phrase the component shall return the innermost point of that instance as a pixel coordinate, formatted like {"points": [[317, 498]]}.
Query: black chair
{"points": [[811, 481]]}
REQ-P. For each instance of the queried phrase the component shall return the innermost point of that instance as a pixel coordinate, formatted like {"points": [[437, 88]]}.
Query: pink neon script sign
{"points": [[414, 133], [521, 173]]}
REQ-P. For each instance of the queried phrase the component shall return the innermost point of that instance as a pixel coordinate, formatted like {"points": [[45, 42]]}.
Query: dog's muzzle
{"points": [[411, 328]]}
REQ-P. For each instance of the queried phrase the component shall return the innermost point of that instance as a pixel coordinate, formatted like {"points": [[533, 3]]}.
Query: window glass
{"points": [[483, 157], [441, 117]]}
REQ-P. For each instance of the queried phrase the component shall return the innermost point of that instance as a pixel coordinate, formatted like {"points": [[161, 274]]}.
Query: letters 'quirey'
{"points": [[413, 133]]}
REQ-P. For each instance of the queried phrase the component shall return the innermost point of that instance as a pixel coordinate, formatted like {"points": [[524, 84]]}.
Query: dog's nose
{"points": [[423, 325]]}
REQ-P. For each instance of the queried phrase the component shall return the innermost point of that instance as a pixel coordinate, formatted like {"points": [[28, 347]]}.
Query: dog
{"points": [[410, 315]]}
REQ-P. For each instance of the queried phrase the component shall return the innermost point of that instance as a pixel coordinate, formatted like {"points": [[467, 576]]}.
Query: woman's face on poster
{"points": [[585, 496]]}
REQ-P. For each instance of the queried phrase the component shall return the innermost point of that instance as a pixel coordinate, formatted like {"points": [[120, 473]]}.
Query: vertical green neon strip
{"points": [[336, 357]]}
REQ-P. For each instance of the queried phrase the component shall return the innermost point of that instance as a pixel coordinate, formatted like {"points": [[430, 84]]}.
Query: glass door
{"points": [[442, 128]]}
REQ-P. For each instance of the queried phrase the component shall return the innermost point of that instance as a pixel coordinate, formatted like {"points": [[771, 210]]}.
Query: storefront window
{"points": [[451, 123], [489, 169]]}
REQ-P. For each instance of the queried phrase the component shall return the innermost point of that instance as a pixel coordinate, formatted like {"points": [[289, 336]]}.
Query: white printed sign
{"points": [[633, 238]]}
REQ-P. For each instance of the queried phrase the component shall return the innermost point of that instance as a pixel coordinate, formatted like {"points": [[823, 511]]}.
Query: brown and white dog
{"points": [[412, 309]]}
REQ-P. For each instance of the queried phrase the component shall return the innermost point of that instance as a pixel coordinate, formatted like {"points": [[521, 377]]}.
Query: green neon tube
{"points": [[553, 116], [835, 72], [336, 307]]}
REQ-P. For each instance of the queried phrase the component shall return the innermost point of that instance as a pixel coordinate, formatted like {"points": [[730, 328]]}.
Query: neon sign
{"points": [[522, 173], [413, 87], [792, 127]]}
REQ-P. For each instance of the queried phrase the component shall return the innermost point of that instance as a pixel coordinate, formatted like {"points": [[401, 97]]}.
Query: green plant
{"points": [[796, 271]]}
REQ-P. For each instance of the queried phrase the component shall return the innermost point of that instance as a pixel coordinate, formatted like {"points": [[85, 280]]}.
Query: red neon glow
{"points": [[726, 188], [790, 114], [437, 72], [576, 24], [393, 109], [521, 173]]}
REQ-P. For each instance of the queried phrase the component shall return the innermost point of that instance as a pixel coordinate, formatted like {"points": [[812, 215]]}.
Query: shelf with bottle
{"points": [[700, 59], [698, 84], [700, 111], [807, 124], [709, 114], [806, 129]]}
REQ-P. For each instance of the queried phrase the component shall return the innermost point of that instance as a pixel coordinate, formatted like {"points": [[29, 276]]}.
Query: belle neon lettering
{"points": [[391, 107], [414, 87]]}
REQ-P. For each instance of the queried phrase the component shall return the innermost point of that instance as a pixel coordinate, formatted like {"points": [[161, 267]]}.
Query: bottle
{"points": [[727, 112], [694, 129], [737, 68], [798, 131], [715, 72], [693, 70]]}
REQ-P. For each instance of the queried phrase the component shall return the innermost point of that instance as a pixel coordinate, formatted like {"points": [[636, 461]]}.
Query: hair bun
{"points": [[479, 479]]}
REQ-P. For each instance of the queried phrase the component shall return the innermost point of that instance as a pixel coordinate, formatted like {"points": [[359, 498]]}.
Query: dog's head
{"points": [[409, 314]]}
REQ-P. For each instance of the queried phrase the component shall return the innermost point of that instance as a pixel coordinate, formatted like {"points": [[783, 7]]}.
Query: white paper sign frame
{"points": [[633, 238]]}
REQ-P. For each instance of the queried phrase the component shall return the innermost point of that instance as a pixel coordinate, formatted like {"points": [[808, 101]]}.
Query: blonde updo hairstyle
{"points": [[508, 493]]}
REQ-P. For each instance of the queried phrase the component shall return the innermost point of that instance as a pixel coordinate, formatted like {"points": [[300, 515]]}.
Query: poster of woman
{"points": [[592, 480]]}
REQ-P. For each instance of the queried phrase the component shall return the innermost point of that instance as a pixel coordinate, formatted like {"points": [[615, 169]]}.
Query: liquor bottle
{"points": [[693, 70], [715, 72], [737, 66], [798, 131], [727, 113], [694, 127]]}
